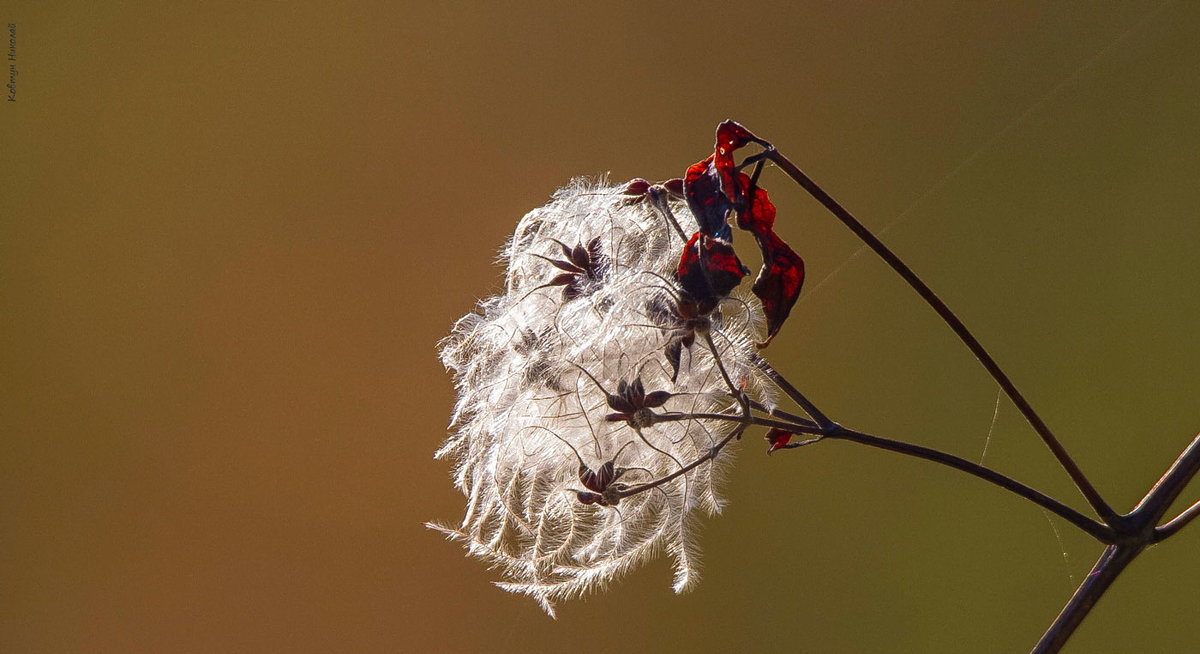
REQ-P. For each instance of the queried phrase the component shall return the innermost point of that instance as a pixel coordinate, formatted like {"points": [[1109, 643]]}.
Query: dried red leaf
{"points": [[710, 186], [709, 269], [758, 215], [707, 200], [779, 439], [714, 188], [731, 135], [778, 282]]}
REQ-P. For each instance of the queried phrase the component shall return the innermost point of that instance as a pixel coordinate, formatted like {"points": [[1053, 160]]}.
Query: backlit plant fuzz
{"points": [[569, 476]]}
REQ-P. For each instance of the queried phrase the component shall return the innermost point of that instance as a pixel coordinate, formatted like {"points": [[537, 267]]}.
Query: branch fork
{"points": [[1125, 536]]}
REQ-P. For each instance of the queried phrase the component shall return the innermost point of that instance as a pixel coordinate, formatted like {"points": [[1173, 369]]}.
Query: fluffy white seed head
{"points": [[527, 415]]}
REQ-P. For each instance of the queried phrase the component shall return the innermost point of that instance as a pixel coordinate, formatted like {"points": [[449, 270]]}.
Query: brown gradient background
{"points": [[230, 237]]}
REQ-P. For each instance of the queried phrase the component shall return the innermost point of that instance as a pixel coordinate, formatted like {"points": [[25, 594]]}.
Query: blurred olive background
{"points": [[231, 235]]}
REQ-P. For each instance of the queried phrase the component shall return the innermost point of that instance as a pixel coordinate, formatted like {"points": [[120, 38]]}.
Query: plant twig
{"points": [[779, 413], [1097, 530], [796, 396], [1167, 489], [1136, 531], [795, 428], [712, 453], [1126, 536], [1179, 522], [1111, 563], [1093, 497]]}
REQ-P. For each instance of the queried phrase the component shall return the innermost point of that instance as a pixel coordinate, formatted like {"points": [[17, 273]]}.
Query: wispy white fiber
{"points": [[526, 414]]}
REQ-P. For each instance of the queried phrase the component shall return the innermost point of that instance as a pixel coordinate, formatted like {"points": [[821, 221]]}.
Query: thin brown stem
{"points": [[1177, 523], [1135, 532], [1168, 487], [749, 420], [658, 200], [712, 453], [1097, 530], [1060, 453], [708, 456], [1111, 563], [737, 392], [779, 413], [796, 396]]}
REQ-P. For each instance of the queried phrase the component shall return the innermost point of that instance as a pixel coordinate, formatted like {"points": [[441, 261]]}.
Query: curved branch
{"points": [[1179, 522], [1168, 487], [1136, 532], [796, 396], [779, 413], [712, 453], [1081, 481], [1097, 530], [788, 425]]}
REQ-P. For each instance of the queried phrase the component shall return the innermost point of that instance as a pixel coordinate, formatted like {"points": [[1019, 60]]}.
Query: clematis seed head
{"points": [[534, 369]]}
